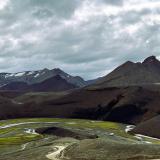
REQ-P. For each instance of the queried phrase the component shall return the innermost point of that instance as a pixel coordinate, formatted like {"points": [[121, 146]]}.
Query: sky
{"points": [[82, 37]]}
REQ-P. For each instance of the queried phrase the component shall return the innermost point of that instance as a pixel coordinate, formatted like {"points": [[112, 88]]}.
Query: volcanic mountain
{"points": [[55, 84], [133, 74], [33, 77]]}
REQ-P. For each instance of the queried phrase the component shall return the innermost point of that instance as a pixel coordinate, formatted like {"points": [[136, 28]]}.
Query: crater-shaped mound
{"points": [[61, 132]]}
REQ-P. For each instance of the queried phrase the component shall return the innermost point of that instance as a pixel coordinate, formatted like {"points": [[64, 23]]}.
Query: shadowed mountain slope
{"points": [[55, 83], [129, 74], [126, 105]]}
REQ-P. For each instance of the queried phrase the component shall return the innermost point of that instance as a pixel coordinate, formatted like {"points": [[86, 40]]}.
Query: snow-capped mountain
{"points": [[33, 77], [53, 84]]}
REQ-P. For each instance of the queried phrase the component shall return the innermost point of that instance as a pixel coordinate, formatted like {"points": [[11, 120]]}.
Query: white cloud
{"points": [[3, 4], [87, 38]]}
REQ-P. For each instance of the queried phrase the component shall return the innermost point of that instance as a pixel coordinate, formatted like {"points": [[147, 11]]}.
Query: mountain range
{"points": [[127, 74], [130, 94], [132, 74], [55, 83], [41, 80]]}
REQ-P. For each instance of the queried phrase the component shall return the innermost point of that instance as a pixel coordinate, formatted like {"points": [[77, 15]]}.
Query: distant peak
{"points": [[57, 70], [128, 63], [151, 59], [45, 69]]}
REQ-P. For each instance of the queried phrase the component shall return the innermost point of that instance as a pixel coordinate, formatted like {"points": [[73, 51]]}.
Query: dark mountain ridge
{"points": [[130, 105], [132, 74], [55, 83], [33, 77]]}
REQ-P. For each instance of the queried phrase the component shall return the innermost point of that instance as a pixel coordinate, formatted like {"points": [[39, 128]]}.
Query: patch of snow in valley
{"points": [[129, 128], [30, 131], [140, 138], [111, 134], [143, 136]]}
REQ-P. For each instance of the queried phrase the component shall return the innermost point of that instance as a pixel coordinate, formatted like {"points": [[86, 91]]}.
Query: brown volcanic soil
{"points": [[125, 104], [149, 128]]}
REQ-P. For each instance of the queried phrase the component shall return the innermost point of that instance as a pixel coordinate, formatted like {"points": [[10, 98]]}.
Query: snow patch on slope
{"points": [[19, 74], [36, 75]]}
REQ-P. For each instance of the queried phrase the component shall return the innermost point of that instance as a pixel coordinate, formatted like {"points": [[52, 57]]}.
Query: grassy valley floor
{"points": [[18, 140]]}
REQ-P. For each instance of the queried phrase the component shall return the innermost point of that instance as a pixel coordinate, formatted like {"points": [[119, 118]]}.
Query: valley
{"points": [[18, 140], [79, 80]]}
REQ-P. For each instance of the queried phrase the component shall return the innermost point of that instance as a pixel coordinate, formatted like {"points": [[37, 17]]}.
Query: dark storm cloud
{"points": [[87, 38]]}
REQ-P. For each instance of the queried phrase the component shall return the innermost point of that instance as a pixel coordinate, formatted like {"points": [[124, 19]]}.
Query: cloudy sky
{"points": [[83, 37]]}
